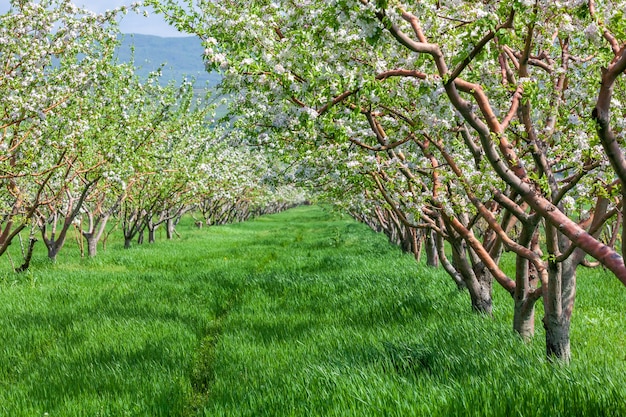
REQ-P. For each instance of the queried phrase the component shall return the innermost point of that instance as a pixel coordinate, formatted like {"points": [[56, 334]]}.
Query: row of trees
{"points": [[84, 140], [489, 125]]}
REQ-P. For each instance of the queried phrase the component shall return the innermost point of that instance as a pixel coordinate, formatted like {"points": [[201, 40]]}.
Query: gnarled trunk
{"points": [[481, 292]]}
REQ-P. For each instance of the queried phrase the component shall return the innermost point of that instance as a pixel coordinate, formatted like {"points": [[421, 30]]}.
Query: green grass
{"points": [[304, 313]]}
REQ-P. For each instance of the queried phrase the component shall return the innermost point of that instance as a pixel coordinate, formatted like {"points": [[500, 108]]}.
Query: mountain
{"points": [[179, 57]]}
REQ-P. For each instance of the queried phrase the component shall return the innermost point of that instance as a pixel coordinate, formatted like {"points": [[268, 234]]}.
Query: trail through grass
{"points": [[304, 313]]}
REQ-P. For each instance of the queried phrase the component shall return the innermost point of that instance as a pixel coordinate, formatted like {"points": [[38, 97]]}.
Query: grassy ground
{"points": [[305, 313]]}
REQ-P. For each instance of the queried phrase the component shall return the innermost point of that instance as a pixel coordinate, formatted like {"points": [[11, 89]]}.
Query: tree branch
{"points": [[480, 45]]}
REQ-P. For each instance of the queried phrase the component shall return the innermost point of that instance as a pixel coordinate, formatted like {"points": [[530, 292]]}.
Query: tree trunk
{"points": [[477, 279], [447, 265], [127, 242], [53, 251], [92, 244], [54, 243], [418, 244], [406, 239], [524, 299], [431, 249], [95, 233], [29, 255], [557, 339], [481, 293], [559, 303], [524, 318], [169, 229]]}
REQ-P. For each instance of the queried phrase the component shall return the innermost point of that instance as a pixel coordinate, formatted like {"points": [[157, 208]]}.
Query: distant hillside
{"points": [[180, 57]]}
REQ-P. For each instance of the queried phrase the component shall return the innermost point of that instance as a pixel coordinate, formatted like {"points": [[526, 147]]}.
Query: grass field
{"points": [[304, 313]]}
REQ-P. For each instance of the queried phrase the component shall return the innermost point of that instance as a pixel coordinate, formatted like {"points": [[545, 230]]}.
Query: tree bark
{"points": [[481, 293], [508, 166], [447, 265], [557, 339], [92, 244], [559, 304], [53, 251], [524, 297], [169, 229], [96, 230], [431, 249], [524, 318], [53, 243], [29, 255], [477, 279], [151, 234]]}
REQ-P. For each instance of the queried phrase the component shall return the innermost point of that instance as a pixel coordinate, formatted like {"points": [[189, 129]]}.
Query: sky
{"points": [[131, 23]]}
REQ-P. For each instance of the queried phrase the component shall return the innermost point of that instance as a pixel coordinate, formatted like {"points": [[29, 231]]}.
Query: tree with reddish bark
{"points": [[496, 98]]}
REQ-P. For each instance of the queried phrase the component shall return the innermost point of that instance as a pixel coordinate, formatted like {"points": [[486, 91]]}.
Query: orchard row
{"points": [[480, 126], [84, 140]]}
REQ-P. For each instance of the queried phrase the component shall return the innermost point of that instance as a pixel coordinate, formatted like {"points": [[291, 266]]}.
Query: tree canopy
{"points": [[496, 125]]}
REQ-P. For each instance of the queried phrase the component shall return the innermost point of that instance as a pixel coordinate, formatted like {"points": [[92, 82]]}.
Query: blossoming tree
{"points": [[84, 139], [499, 99], [51, 52]]}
